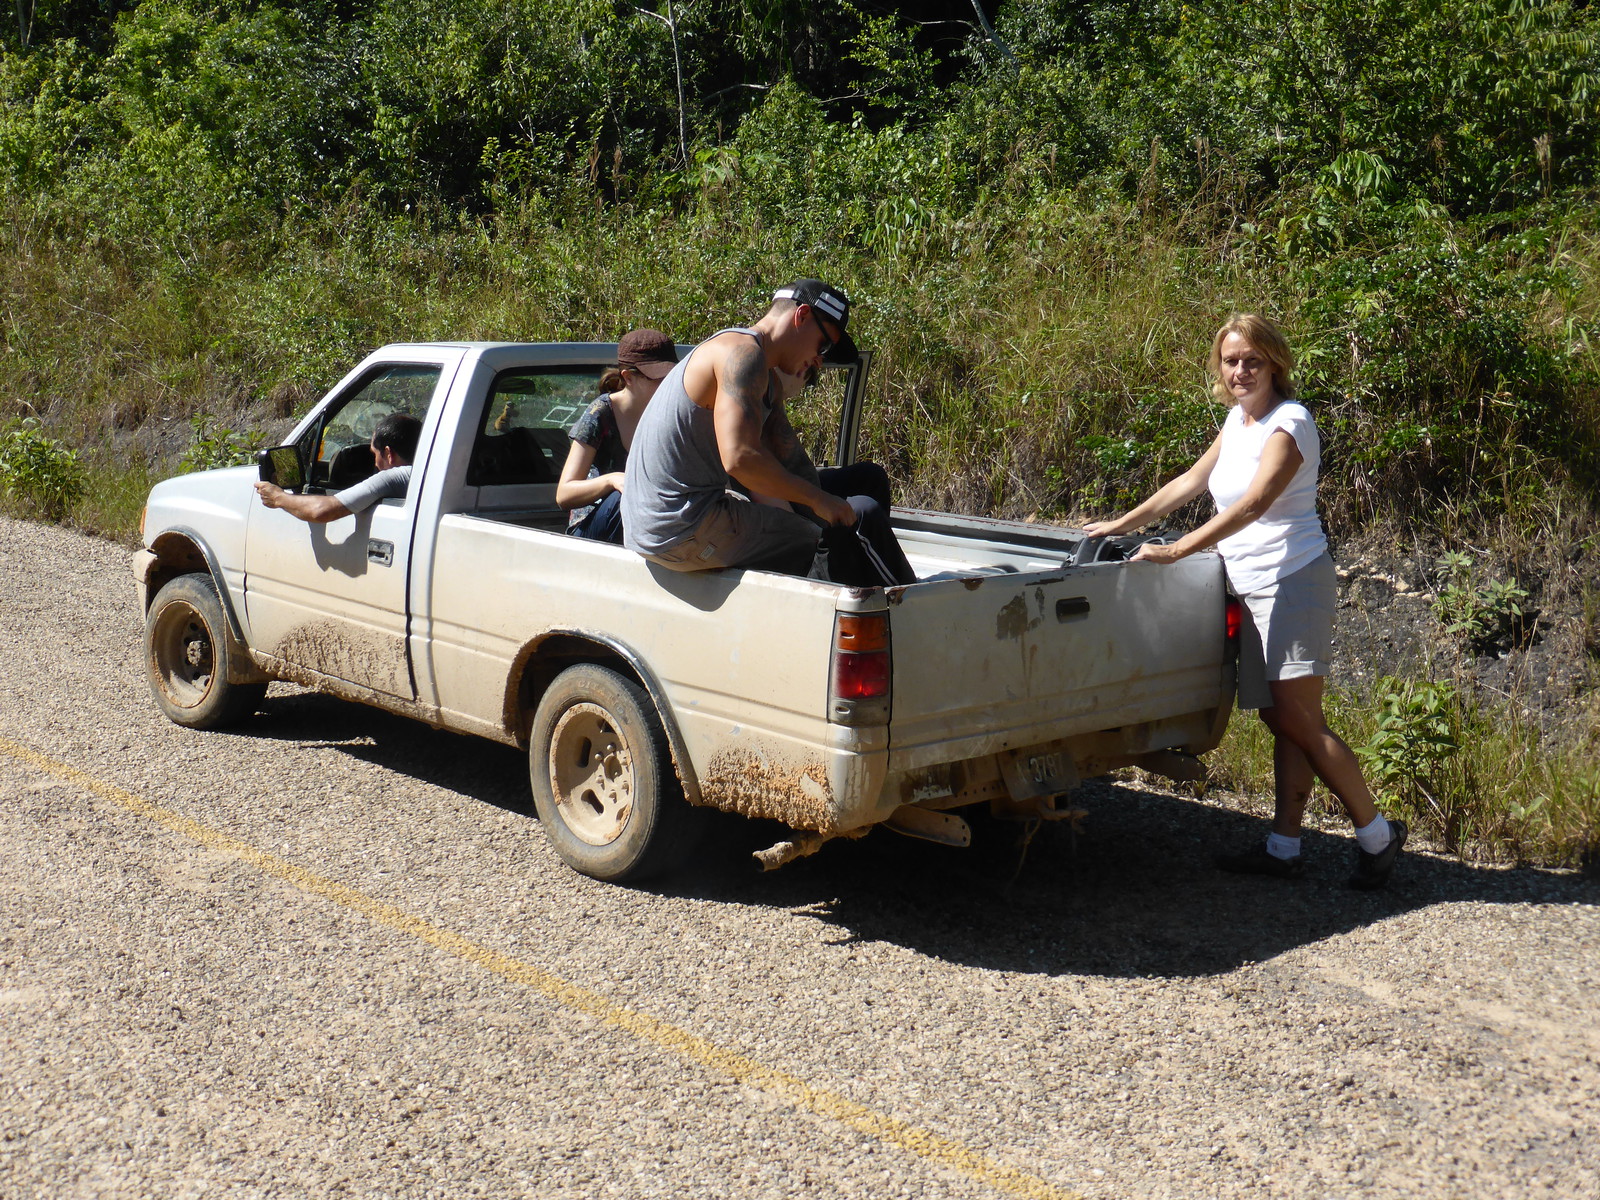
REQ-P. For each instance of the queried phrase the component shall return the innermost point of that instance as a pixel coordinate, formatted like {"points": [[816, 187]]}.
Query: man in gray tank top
{"points": [[702, 432]]}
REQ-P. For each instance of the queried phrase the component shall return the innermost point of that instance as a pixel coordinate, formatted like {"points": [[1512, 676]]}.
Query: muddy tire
{"points": [[189, 656], [603, 779]]}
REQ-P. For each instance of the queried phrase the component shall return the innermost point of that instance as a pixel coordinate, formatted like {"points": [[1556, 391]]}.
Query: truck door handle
{"points": [[381, 553], [1073, 608]]}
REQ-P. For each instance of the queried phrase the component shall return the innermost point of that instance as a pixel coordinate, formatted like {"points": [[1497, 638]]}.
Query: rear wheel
{"points": [[189, 656], [603, 779]]}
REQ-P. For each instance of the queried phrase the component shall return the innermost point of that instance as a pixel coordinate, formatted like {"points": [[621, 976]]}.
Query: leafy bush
{"points": [[1413, 758], [38, 470], [1417, 734], [214, 445], [1191, 93], [1492, 616]]}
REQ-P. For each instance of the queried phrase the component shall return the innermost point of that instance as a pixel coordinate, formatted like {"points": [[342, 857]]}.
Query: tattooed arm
{"points": [[779, 436], [784, 442]]}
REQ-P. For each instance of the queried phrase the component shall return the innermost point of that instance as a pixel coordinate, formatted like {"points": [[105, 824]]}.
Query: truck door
{"points": [[332, 598]]}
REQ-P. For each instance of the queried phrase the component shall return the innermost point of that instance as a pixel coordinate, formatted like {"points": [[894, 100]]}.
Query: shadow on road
{"points": [[1135, 894], [484, 770]]}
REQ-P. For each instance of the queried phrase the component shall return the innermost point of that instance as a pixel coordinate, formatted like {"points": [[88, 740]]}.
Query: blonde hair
{"points": [[1267, 340]]}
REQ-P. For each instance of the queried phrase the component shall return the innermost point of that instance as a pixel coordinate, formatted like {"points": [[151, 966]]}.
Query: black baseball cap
{"points": [[831, 303]]}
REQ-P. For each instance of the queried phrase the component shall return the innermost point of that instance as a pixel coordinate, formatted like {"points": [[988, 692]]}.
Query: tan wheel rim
{"points": [[591, 774], [185, 660]]}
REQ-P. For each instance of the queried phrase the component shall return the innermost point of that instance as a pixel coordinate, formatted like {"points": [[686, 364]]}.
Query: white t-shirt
{"points": [[1289, 534]]}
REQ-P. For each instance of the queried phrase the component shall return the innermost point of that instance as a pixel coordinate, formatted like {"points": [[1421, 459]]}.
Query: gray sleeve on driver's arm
{"points": [[382, 486]]}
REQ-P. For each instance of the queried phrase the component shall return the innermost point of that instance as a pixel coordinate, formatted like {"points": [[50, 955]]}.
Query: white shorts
{"points": [[1289, 633]]}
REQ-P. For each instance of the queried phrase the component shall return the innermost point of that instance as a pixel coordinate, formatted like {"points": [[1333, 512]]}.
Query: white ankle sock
{"points": [[1374, 837], [1283, 847]]}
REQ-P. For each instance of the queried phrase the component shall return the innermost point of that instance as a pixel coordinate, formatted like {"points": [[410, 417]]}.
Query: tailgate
{"points": [[1007, 661]]}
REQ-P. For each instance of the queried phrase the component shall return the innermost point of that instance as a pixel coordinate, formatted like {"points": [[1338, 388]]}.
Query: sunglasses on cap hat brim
{"points": [[840, 351]]}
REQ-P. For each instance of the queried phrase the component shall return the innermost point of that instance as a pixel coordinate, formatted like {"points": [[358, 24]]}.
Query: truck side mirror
{"points": [[283, 466]]}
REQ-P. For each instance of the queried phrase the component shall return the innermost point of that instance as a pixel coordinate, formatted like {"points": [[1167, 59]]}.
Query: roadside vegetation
{"points": [[213, 209], [1481, 778]]}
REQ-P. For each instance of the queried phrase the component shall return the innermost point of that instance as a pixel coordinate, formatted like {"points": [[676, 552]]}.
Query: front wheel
{"points": [[603, 780], [189, 656]]}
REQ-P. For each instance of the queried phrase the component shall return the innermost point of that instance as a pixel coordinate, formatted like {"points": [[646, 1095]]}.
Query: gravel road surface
{"points": [[331, 954]]}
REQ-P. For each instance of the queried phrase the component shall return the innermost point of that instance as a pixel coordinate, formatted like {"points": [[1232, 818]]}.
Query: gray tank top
{"points": [[674, 472]]}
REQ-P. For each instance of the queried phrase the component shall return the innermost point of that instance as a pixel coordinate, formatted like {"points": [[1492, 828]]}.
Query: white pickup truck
{"points": [[1023, 658]]}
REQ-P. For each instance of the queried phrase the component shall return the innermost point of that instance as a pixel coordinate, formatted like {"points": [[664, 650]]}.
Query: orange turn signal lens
{"points": [[861, 633]]}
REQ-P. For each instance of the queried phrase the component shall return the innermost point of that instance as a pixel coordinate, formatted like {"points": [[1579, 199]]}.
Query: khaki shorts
{"points": [[1289, 633], [736, 532]]}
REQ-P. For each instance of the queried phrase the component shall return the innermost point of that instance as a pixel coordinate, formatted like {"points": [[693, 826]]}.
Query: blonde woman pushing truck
{"points": [[1261, 471]]}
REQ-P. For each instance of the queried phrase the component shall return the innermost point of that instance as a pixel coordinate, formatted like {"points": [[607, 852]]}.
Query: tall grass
{"points": [[115, 497], [1051, 364]]}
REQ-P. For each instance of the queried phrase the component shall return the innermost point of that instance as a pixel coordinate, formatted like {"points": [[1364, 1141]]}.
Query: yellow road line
{"points": [[789, 1088]]}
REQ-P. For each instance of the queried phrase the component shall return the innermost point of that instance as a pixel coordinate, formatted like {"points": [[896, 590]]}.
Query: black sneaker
{"points": [[1372, 870], [1256, 861]]}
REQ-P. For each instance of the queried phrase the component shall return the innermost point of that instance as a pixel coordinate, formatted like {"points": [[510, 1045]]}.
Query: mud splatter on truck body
{"points": [[742, 781]]}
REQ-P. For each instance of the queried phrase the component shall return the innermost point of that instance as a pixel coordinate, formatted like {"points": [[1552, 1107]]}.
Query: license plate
{"points": [[1033, 773]]}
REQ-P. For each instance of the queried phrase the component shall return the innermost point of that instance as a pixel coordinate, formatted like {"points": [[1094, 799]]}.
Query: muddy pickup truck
{"points": [[1024, 658]]}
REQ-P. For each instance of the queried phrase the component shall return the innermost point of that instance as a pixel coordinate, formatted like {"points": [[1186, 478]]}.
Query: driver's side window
{"points": [[337, 447]]}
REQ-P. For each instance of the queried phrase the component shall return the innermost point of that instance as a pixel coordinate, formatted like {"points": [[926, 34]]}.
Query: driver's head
{"points": [[396, 438]]}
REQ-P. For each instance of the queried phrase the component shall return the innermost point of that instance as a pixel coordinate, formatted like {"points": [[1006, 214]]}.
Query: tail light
{"points": [[859, 681], [1232, 615]]}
